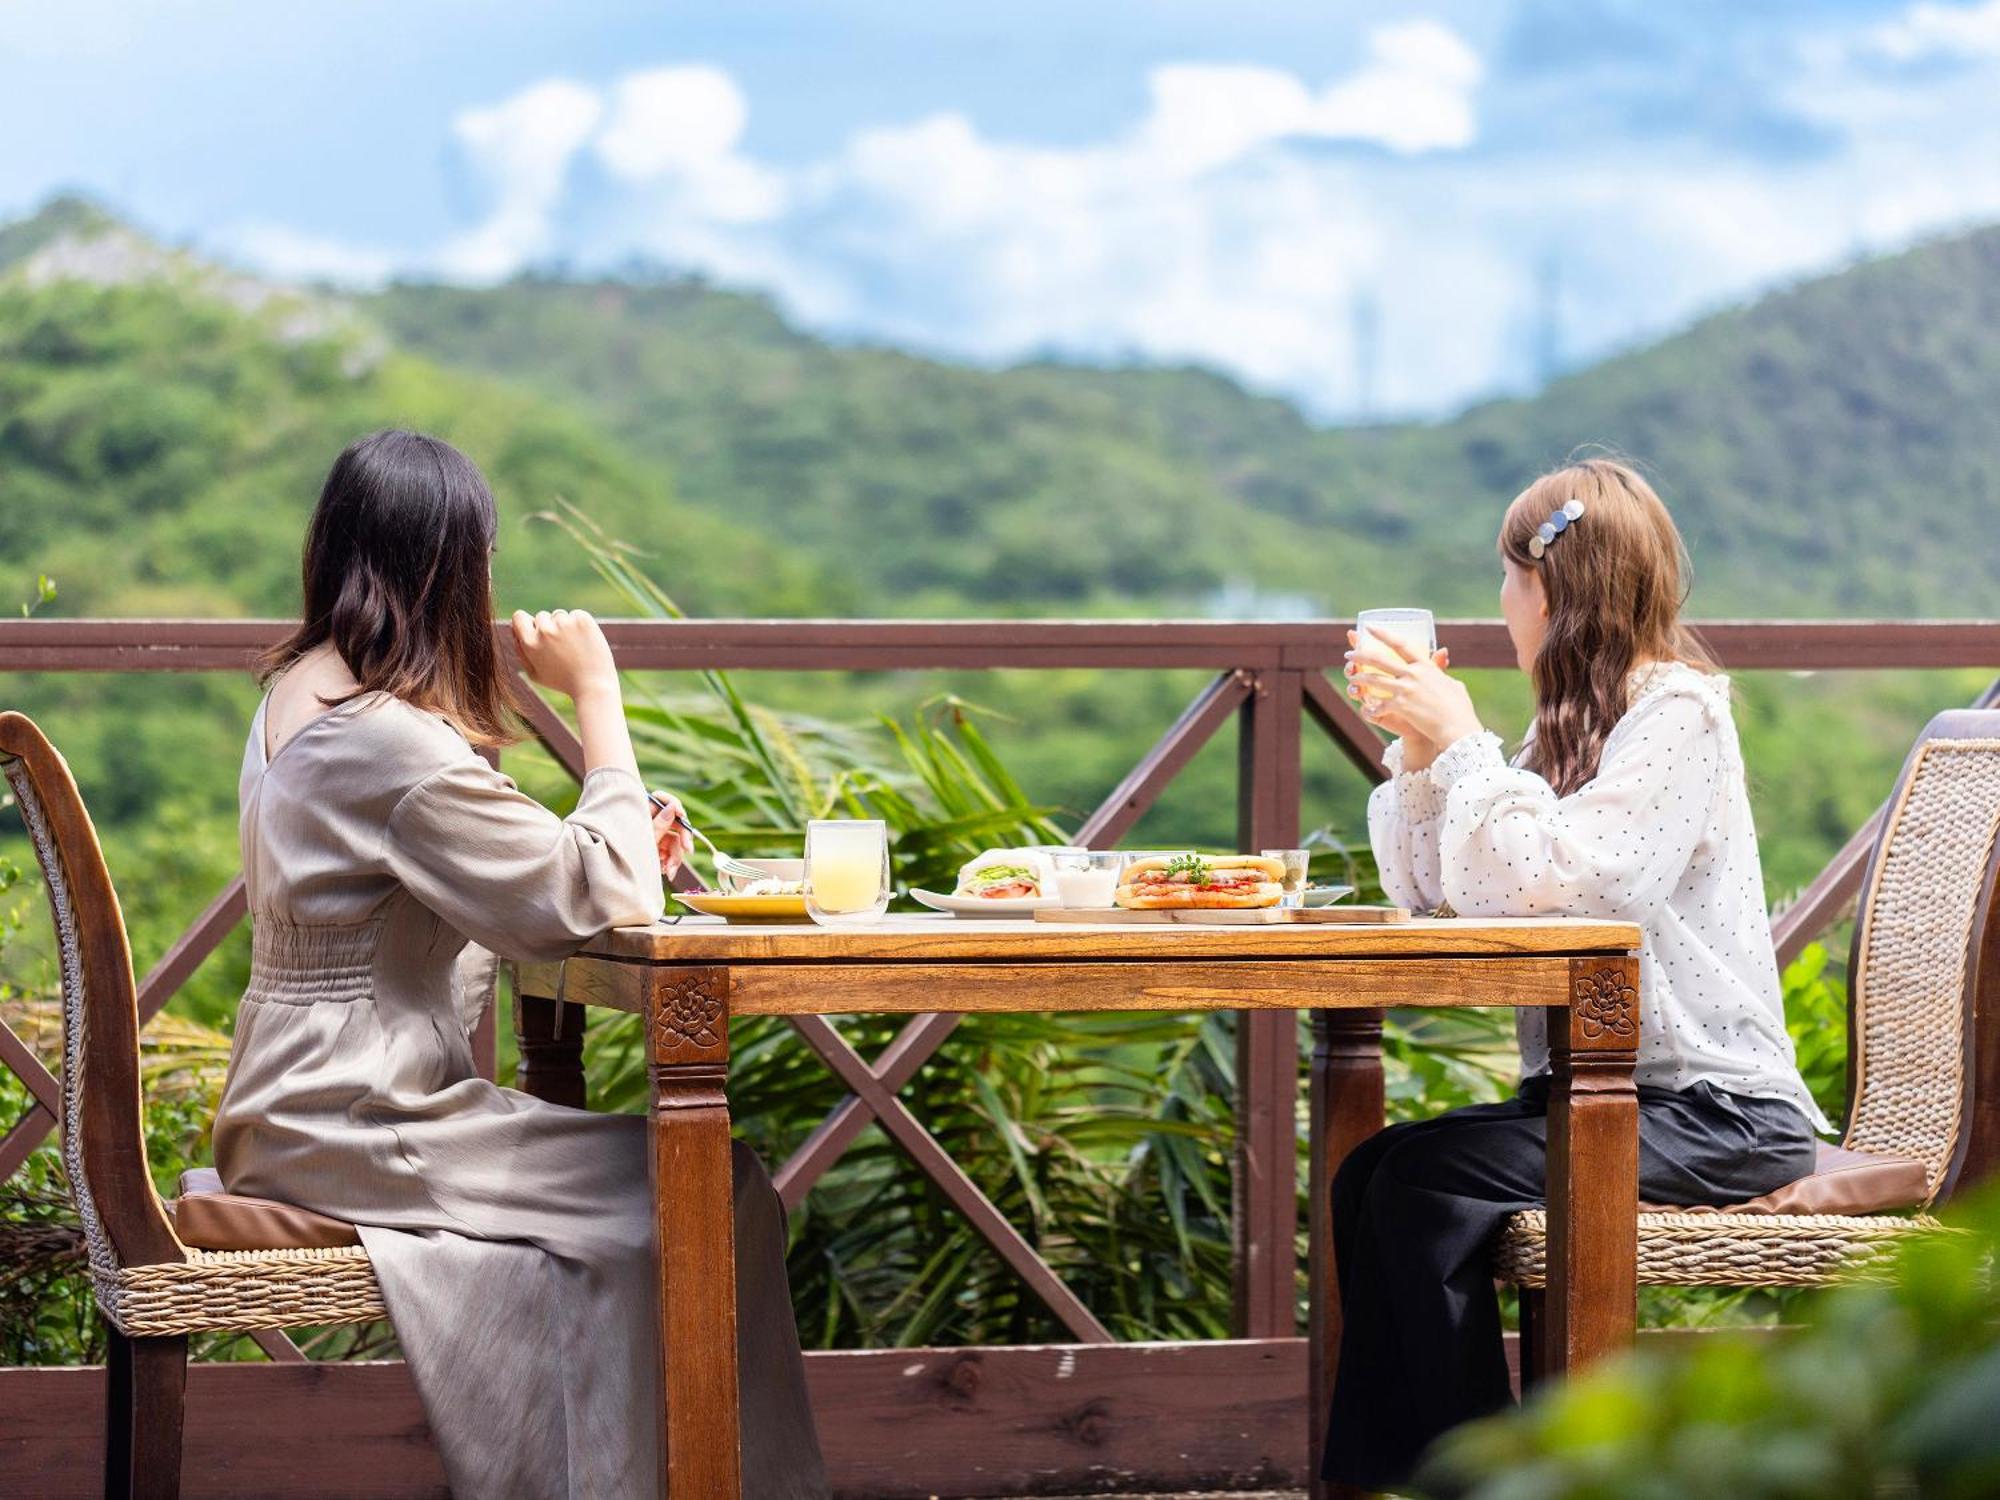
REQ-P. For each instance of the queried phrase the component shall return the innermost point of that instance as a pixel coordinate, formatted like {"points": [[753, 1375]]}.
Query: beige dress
{"points": [[513, 1238]]}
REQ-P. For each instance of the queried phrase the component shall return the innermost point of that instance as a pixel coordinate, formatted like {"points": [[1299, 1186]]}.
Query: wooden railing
{"points": [[1271, 679]]}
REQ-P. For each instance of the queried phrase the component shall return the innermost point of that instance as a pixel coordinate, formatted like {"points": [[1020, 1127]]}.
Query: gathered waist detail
{"points": [[294, 965]]}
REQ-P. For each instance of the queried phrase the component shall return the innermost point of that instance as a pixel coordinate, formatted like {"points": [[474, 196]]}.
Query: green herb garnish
{"points": [[1193, 866]]}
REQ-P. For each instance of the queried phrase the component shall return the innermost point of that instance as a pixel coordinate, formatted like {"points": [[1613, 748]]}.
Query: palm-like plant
{"points": [[1104, 1139]]}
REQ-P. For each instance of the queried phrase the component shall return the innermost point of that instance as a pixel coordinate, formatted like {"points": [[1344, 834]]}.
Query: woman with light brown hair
{"points": [[1625, 800]]}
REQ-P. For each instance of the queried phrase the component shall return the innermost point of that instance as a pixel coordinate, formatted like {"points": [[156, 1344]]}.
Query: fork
{"points": [[734, 869]]}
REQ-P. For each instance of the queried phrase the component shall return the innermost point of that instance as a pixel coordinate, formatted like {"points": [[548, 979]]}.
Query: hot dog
{"points": [[1202, 882]]}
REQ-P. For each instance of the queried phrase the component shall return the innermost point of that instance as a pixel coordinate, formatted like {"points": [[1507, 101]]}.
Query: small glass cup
{"points": [[1296, 862], [1414, 629], [1087, 880], [847, 871]]}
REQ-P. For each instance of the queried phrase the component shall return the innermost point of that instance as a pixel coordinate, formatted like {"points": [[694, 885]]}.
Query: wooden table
{"points": [[689, 978]]}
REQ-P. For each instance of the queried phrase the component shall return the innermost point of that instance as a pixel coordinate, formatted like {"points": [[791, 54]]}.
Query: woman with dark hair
{"points": [[1625, 800], [388, 865]]}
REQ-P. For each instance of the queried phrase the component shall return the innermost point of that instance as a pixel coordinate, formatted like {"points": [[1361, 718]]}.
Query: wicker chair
{"points": [[153, 1288], [1924, 978]]}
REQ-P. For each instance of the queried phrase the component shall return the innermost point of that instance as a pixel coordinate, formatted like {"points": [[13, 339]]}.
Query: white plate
{"points": [[984, 906], [1326, 895]]}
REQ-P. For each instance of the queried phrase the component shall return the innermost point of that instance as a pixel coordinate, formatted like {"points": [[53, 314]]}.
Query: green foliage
{"points": [[1104, 1138], [1816, 1017], [1890, 1389]]}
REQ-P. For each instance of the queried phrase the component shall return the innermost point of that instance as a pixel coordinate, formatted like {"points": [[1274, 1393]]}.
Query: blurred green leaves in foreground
{"points": [[1890, 1388]]}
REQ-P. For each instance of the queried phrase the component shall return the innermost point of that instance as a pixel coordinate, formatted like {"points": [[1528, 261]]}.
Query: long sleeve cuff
{"points": [[1418, 797], [1468, 753]]}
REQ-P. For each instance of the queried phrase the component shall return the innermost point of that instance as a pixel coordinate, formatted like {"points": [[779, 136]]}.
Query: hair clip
{"points": [[1557, 523]]}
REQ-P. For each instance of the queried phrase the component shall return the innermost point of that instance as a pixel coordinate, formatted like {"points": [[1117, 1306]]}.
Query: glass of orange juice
{"points": [[1414, 629], [847, 871]]}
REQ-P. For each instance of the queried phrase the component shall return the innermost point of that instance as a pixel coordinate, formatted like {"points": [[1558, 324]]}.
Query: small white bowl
{"points": [[1326, 895]]}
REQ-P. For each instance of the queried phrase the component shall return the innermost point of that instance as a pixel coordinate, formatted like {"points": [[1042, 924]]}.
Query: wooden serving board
{"points": [[1262, 916]]}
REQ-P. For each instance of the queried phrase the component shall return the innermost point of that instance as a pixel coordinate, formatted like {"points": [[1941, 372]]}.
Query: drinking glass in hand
{"points": [[1414, 629], [847, 871]]}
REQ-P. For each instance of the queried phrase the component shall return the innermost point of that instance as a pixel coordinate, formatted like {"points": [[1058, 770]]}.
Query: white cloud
{"points": [[675, 131], [669, 119], [1193, 234], [1247, 217], [1206, 114], [521, 149], [1929, 29], [1415, 94]]}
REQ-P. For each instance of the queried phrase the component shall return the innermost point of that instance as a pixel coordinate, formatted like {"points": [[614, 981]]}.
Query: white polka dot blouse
{"points": [[1661, 836]]}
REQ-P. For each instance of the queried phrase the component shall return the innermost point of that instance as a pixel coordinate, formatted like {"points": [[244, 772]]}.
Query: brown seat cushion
{"points": [[209, 1218], [1841, 1182]]}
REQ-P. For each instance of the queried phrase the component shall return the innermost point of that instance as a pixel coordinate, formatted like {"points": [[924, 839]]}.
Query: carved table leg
{"points": [[1592, 1302], [1346, 1110], [550, 1034], [687, 1016]]}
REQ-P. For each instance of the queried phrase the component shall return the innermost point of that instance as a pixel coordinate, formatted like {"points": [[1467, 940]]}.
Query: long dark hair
{"points": [[1615, 582], [398, 576]]}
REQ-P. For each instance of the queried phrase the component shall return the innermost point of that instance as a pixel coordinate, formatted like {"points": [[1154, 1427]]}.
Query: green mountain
{"points": [[164, 428], [165, 423], [933, 488], [1829, 449]]}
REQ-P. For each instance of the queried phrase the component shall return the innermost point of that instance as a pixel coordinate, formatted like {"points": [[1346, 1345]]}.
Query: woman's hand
{"points": [[670, 833], [563, 649], [1411, 696]]}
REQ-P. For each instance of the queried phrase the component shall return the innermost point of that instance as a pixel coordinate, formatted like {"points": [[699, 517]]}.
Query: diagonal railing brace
{"points": [[936, 1163]]}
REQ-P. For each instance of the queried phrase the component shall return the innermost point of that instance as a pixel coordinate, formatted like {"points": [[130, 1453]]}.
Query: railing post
{"points": [[1265, 1211]]}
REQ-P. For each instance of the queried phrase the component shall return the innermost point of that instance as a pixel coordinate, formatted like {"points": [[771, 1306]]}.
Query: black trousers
{"points": [[1414, 1207]]}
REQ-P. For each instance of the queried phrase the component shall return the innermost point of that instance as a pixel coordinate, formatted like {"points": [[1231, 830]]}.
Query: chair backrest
{"points": [[103, 1128], [1924, 978]]}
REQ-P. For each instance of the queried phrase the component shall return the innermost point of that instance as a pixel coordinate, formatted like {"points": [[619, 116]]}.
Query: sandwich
{"points": [[1006, 875], [1202, 882]]}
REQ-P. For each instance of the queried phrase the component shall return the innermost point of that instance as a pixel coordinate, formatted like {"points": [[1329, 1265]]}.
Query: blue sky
{"points": [[1381, 208]]}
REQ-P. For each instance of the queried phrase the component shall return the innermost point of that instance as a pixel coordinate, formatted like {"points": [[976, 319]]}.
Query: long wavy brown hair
{"points": [[397, 574], [1615, 582]]}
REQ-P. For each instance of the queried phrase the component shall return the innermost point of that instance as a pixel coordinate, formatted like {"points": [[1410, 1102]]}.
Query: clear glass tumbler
{"points": [[847, 871], [1413, 629], [1088, 879], [1296, 862]]}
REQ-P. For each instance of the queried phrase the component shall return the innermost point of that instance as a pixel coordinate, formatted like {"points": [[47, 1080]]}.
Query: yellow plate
{"points": [[746, 908]]}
